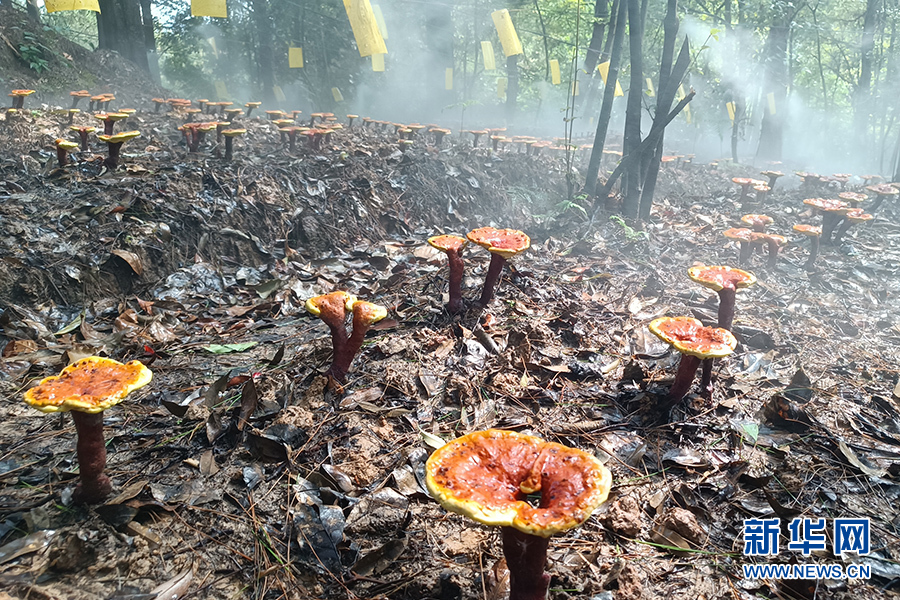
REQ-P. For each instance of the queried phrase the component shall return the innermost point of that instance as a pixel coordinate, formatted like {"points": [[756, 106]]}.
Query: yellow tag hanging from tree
{"points": [[209, 8], [509, 39], [61, 5], [771, 98], [730, 107], [487, 52], [650, 91], [337, 95], [604, 71], [378, 63], [278, 93], [448, 78], [555, 78], [295, 58], [365, 27]]}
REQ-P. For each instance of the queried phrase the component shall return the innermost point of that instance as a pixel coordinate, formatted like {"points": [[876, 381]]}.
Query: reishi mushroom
{"points": [[452, 246], [63, 147], [77, 96], [229, 135], [742, 235], [18, 97], [86, 388], [83, 131], [757, 222], [332, 308], [883, 191], [854, 215], [114, 144], [773, 177], [487, 476], [774, 243], [812, 232], [503, 244], [695, 342], [725, 281]]}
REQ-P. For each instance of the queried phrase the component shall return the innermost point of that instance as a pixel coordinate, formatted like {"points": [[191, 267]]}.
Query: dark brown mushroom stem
{"points": [[810, 264], [526, 557], [438, 137], [229, 147], [476, 134], [745, 252], [91, 451], [878, 200], [830, 221], [112, 160], [62, 156], [727, 297], [491, 279], [684, 377], [773, 252], [343, 358], [455, 262], [83, 135]]}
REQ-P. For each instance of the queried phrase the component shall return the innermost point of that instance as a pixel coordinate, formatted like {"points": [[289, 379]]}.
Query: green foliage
{"points": [[31, 52], [630, 233]]}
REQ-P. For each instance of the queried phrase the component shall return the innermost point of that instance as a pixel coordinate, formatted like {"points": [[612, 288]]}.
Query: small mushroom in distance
{"points": [[114, 144], [452, 246], [742, 235], [696, 343], [86, 388], [63, 147], [503, 244], [812, 232], [853, 216], [487, 477], [229, 135]]}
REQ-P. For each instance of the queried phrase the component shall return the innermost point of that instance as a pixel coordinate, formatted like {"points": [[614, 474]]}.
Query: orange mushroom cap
{"points": [[738, 233], [757, 220], [90, 385], [825, 204], [858, 215], [885, 189], [719, 277], [332, 306], [808, 230], [367, 313], [119, 137], [689, 336], [486, 475], [505, 242], [447, 243]]}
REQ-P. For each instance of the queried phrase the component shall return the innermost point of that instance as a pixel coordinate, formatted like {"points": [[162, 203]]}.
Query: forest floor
{"points": [[237, 474]]}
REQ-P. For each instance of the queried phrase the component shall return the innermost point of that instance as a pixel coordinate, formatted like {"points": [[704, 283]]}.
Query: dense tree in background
{"points": [[121, 27]]}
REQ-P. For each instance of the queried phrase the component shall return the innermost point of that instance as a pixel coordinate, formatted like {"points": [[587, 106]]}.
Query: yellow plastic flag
{"points": [[771, 98], [509, 39], [554, 72], [209, 8], [336, 93], [295, 58], [687, 113], [448, 78], [212, 42], [379, 19], [487, 51], [573, 89], [221, 90], [604, 71], [278, 93], [60, 5], [501, 87], [730, 107], [650, 91], [680, 93], [365, 28], [378, 63]]}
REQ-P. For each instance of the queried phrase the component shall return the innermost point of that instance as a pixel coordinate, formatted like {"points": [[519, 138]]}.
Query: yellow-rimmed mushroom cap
{"points": [[21, 93], [119, 137], [718, 277], [486, 476], [505, 242], [80, 128], [367, 313], [233, 132], [90, 385], [66, 144], [825, 203], [253, 104], [447, 243], [689, 336], [333, 304], [116, 116], [858, 215], [757, 220]]}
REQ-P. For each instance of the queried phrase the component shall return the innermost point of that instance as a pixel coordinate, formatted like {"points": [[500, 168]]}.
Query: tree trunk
{"points": [[594, 78], [863, 93], [264, 56], [670, 27], [34, 12], [439, 41], [150, 40], [771, 135], [632, 180], [590, 181], [119, 28], [512, 86]]}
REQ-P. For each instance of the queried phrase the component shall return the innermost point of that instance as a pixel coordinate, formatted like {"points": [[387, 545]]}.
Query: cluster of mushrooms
{"points": [[838, 215]]}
